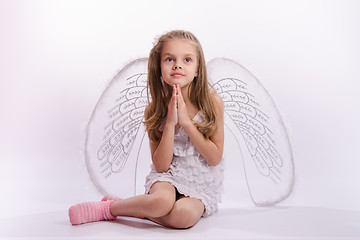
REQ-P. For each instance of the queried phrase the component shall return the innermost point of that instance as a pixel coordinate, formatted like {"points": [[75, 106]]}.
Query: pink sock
{"points": [[90, 212], [108, 197]]}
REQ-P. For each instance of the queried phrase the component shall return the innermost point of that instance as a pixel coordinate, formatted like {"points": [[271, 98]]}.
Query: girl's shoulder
{"points": [[146, 112], [217, 100]]}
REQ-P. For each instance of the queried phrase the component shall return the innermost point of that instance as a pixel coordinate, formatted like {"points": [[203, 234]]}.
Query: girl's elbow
{"points": [[214, 162], [161, 169], [161, 165]]}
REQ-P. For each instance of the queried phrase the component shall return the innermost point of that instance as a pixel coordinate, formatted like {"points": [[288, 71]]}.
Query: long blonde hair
{"points": [[199, 89]]}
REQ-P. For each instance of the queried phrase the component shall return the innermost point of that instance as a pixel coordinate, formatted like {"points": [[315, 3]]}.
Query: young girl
{"points": [[185, 125]]}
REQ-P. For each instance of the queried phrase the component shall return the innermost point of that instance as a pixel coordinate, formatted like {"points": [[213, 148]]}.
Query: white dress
{"points": [[190, 174]]}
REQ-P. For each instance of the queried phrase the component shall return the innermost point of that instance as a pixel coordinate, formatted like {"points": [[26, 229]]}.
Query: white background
{"points": [[56, 58]]}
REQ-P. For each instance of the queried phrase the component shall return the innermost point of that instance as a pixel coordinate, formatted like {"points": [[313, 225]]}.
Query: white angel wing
{"points": [[115, 131], [253, 119]]}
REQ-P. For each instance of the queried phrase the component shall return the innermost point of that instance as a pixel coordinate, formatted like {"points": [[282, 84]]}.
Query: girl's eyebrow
{"points": [[188, 54]]}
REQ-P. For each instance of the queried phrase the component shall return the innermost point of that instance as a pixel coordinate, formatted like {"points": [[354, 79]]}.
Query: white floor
{"points": [[229, 223], [36, 200]]}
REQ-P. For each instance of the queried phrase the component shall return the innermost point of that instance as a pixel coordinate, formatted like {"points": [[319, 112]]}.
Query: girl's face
{"points": [[179, 62]]}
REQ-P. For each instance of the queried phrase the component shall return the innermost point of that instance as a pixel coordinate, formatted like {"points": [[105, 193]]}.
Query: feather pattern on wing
{"points": [[115, 130], [257, 126]]}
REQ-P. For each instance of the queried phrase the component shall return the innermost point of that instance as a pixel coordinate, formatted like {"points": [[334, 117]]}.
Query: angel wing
{"points": [[253, 119], [115, 131]]}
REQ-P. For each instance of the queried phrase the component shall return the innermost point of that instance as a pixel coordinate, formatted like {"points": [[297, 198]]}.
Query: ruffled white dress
{"points": [[190, 174]]}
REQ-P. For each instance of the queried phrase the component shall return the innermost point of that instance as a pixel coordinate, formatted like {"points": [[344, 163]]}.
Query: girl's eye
{"points": [[169, 59], [187, 60]]}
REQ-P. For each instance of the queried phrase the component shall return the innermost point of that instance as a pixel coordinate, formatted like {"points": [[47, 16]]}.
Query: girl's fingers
{"points": [[175, 95], [172, 117], [173, 100], [174, 90], [179, 92]]}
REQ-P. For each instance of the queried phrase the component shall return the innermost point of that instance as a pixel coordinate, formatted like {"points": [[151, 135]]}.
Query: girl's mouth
{"points": [[177, 75]]}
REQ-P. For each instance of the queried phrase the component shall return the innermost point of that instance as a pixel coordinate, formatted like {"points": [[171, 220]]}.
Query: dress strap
{"points": [[198, 117]]}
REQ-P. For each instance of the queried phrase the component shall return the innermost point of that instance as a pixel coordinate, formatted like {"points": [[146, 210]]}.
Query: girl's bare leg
{"points": [[157, 203], [185, 213]]}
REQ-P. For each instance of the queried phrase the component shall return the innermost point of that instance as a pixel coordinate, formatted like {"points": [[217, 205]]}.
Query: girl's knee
{"points": [[186, 217], [160, 205]]}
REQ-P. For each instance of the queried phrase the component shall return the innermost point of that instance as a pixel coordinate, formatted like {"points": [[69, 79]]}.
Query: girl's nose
{"points": [[177, 66]]}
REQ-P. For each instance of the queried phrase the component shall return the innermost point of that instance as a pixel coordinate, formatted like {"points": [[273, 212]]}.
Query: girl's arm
{"points": [[162, 152], [211, 149]]}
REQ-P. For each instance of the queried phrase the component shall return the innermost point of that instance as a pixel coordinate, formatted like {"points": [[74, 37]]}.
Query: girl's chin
{"points": [[173, 83]]}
